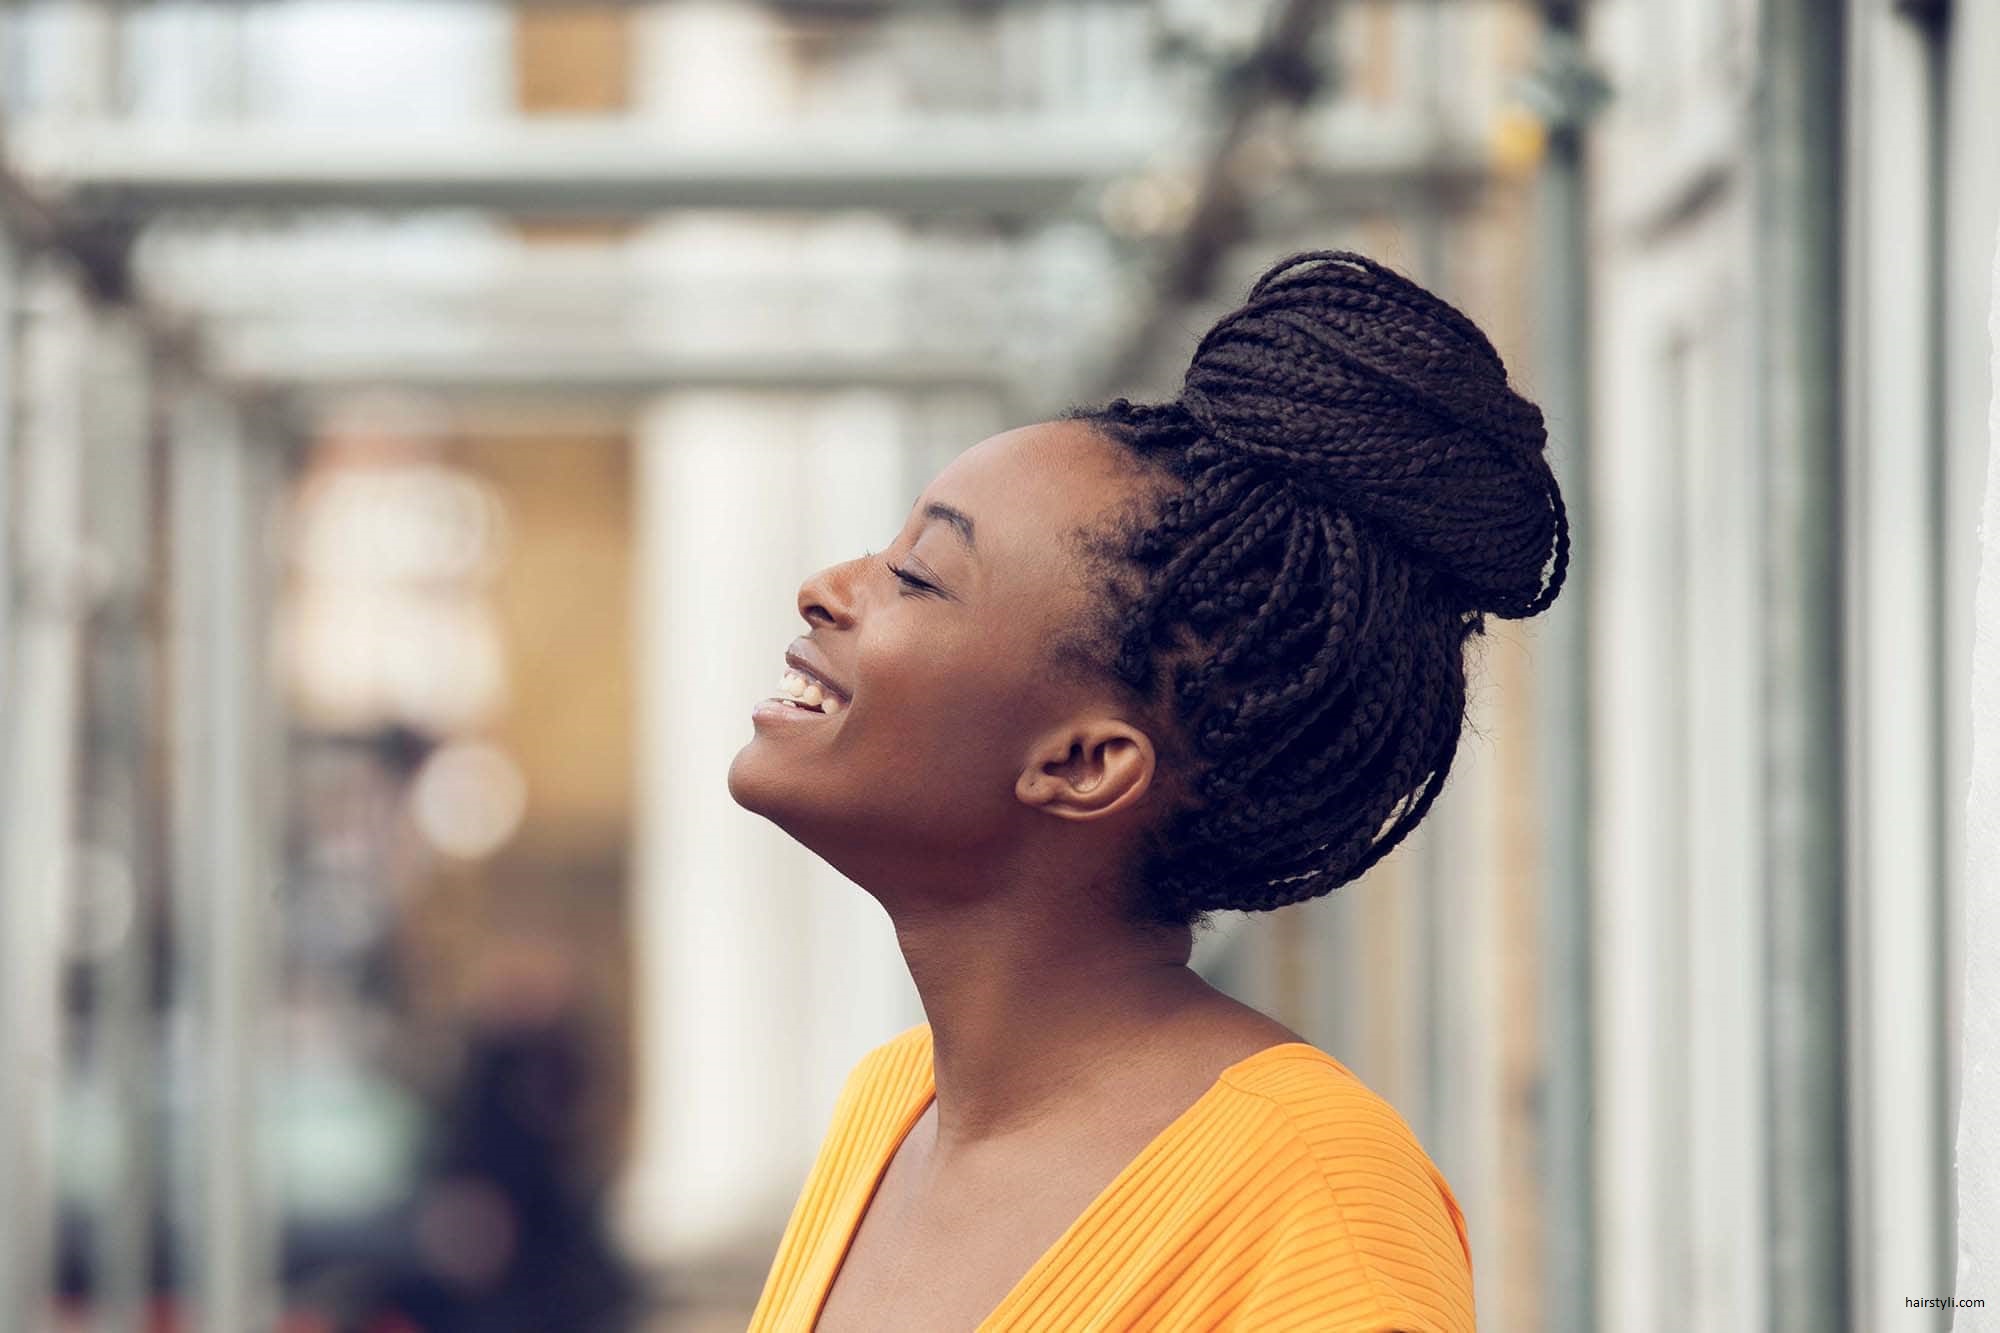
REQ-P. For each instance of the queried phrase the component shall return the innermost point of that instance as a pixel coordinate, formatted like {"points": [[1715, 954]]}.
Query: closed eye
{"points": [[909, 580]]}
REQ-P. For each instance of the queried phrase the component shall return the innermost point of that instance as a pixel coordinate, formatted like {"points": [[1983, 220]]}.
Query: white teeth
{"points": [[798, 688]]}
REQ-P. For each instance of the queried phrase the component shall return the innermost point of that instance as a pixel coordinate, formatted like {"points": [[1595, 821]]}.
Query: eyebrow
{"points": [[961, 522]]}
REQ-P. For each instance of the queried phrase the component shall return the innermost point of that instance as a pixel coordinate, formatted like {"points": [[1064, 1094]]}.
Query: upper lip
{"points": [[803, 660]]}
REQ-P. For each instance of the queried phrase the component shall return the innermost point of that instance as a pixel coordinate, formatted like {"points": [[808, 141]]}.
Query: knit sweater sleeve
{"points": [[1378, 1246]]}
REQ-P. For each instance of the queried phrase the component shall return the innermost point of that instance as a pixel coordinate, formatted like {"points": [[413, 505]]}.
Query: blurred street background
{"points": [[416, 418]]}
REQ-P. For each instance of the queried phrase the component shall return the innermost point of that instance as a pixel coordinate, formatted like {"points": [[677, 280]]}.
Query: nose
{"points": [[828, 596]]}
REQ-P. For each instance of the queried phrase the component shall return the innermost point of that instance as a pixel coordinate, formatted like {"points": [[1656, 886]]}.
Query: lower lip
{"points": [[771, 709]]}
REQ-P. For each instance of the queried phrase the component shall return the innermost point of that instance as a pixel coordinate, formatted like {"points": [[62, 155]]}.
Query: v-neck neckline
{"points": [[923, 1091]]}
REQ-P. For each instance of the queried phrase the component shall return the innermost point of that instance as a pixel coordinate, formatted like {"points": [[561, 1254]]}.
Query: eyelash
{"points": [[909, 581]]}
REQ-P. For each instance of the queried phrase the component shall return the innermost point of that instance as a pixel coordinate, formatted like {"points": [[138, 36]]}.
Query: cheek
{"points": [[931, 716], [930, 709]]}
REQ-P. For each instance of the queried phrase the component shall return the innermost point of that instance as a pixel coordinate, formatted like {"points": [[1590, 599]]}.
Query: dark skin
{"points": [[993, 809]]}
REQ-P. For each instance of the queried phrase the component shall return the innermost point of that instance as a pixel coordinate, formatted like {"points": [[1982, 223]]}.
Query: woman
{"points": [[1118, 671]]}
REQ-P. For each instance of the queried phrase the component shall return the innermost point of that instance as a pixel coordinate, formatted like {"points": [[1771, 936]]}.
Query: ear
{"points": [[1088, 770]]}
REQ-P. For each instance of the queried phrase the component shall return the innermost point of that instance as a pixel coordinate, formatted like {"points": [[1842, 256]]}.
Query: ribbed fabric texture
{"points": [[1288, 1197]]}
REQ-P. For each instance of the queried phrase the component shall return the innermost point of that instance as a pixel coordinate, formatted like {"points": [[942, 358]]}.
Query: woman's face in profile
{"points": [[949, 700]]}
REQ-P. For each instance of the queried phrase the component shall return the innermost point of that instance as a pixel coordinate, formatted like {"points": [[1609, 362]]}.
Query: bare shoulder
{"points": [[1191, 1052], [1229, 1031], [1220, 1041]]}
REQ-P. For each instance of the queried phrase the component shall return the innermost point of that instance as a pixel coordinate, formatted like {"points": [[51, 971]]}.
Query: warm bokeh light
{"points": [[468, 799]]}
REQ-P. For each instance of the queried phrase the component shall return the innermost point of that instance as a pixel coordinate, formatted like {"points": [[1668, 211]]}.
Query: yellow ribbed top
{"points": [[1289, 1196]]}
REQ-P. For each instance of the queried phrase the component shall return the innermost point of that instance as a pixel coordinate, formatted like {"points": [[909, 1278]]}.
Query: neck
{"points": [[1022, 1018]]}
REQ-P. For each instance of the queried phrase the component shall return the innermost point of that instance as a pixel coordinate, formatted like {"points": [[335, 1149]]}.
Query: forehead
{"points": [[1024, 489], [1054, 474]]}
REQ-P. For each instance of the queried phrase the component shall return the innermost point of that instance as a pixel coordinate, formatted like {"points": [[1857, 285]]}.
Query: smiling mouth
{"points": [[801, 693], [780, 711]]}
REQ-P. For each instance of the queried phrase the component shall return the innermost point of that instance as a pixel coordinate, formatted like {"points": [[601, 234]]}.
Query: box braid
{"points": [[1353, 488]]}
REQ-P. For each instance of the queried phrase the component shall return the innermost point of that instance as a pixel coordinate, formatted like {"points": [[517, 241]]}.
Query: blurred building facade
{"points": [[416, 419]]}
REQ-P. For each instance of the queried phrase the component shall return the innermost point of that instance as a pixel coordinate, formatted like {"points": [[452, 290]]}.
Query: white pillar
{"points": [[762, 974], [1894, 452], [9, 286], [224, 854], [37, 788], [1971, 454], [114, 869], [13, 1148], [1978, 1259]]}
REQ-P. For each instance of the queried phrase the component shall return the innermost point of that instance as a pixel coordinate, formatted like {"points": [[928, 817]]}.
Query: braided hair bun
{"points": [[1356, 488], [1391, 405]]}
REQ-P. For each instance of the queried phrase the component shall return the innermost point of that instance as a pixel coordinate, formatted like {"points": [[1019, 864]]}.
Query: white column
{"points": [[224, 813], [1972, 206], [1634, 852], [1720, 1109], [761, 974], [114, 865], [12, 1147], [37, 787], [1978, 1260], [1894, 602], [9, 286]]}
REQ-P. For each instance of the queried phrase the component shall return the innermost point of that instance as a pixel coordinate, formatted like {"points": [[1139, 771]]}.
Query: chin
{"points": [[759, 785], [743, 785]]}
